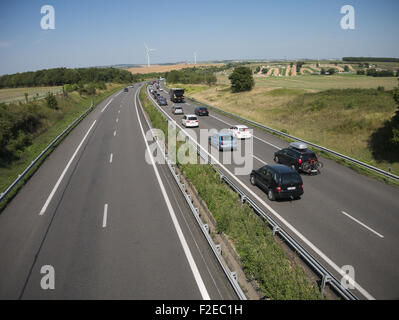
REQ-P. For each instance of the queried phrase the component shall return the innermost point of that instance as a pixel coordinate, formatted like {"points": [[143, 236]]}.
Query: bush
{"points": [[51, 101], [331, 71], [241, 79]]}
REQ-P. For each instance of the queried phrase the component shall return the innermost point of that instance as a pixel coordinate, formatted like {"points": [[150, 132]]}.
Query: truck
{"points": [[176, 94]]}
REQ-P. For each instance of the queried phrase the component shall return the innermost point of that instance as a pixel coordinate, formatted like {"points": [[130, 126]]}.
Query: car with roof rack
{"points": [[299, 157]]}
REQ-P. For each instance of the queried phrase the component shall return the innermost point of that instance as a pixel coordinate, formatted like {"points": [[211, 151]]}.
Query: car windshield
{"points": [[226, 138], [243, 129], [192, 118], [290, 178], [177, 108]]}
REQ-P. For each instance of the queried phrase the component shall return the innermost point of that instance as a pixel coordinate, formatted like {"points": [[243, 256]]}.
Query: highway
{"points": [[111, 225], [343, 218]]}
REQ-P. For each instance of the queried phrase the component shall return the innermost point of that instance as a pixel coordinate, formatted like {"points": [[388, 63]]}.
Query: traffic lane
{"points": [[364, 197], [73, 231], [21, 227], [216, 281], [322, 231], [337, 182], [137, 254], [319, 217]]}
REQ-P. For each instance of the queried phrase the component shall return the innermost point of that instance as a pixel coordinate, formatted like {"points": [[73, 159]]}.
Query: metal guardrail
{"points": [[41, 155], [232, 276], [326, 276], [337, 154]]}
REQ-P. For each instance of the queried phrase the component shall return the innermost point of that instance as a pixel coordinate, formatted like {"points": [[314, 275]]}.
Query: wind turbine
{"points": [[195, 58], [147, 51]]}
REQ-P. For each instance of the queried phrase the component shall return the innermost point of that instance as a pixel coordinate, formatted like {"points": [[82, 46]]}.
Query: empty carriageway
{"points": [[111, 225]]}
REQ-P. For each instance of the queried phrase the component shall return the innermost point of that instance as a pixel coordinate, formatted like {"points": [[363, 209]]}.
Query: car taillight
{"points": [[278, 189], [187, 121], [222, 143], [299, 160], [302, 186]]}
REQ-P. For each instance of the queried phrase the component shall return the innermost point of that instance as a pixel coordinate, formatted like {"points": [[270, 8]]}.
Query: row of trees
{"points": [[192, 75], [62, 76], [369, 59], [375, 73]]}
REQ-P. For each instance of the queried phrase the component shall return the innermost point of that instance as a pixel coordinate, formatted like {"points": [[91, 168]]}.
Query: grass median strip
{"points": [[263, 260]]}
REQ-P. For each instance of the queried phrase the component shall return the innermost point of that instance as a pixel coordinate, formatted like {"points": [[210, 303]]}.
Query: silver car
{"points": [[177, 110]]}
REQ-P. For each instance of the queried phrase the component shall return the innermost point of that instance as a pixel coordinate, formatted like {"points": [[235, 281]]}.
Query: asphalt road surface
{"points": [[343, 218], [111, 225]]}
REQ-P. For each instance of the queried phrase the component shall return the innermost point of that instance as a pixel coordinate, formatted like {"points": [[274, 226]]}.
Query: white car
{"points": [[190, 120], [241, 132]]}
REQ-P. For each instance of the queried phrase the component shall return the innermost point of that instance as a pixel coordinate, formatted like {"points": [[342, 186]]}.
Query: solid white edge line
{"points": [[362, 224], [110, 158], [107, 105], [190, 259], [114, 133], [285, 222], [105, 215], [43, 210]]}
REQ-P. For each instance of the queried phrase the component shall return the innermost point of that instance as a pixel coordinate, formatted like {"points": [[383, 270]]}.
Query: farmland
{"points": [[165, 68], [18, 94]]}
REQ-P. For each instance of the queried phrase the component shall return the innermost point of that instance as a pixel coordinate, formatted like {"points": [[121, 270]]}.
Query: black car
{"points": [[280, 182], [125, 89], [162, 101], [201, 111], [298, 157]]}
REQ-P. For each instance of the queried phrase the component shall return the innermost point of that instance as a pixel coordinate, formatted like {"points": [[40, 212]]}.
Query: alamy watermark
{"points": [[348, 20], [183, 147], [48, 20], [348, 277], [47, 282]]}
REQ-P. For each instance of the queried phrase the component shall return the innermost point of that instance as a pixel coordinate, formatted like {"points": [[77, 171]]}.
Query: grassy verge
{"points": [[263, 260], [72, 107]]}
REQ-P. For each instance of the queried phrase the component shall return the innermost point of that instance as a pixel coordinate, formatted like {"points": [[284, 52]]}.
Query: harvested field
{"points": [[293, 70], [165, 68]]}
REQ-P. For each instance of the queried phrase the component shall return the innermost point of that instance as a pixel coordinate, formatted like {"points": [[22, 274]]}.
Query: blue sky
{"points": [[96, 32]]}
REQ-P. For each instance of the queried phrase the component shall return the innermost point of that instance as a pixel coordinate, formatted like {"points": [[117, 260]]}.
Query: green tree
{"points": [[331, 71], [346, 68], [51, 101], [257, 69], [323, 71], [241, 79], [299, 65]]}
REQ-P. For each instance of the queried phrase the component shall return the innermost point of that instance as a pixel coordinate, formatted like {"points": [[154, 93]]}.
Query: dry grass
{"points": [[18, 94]]}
